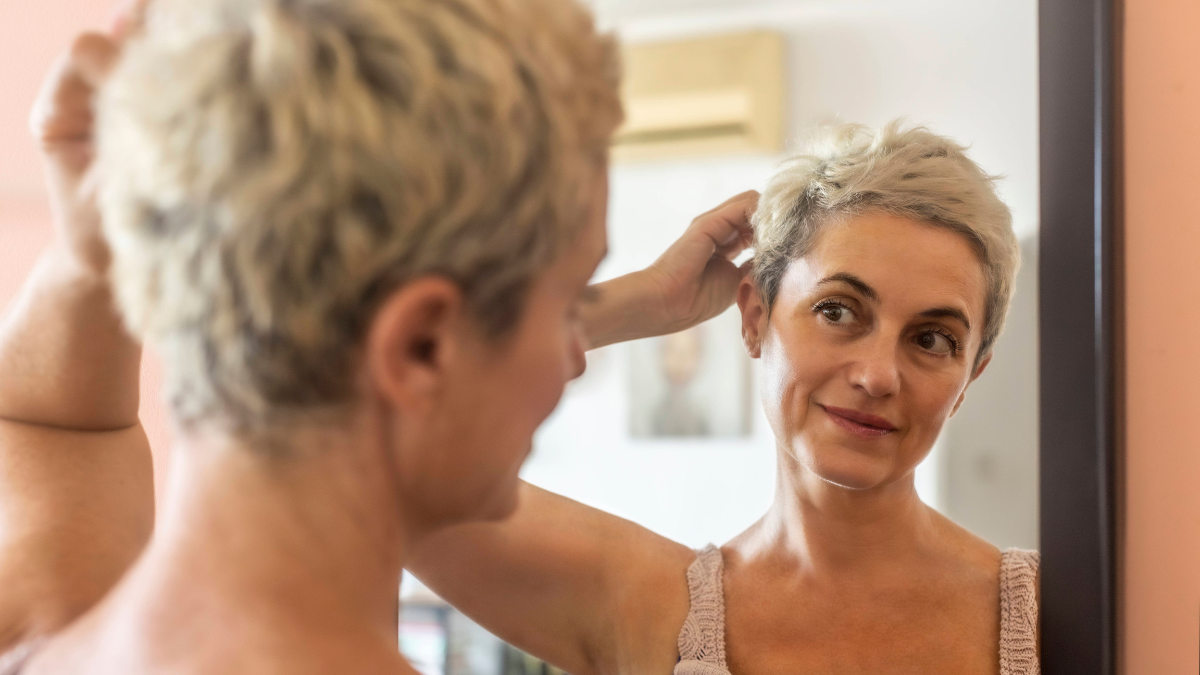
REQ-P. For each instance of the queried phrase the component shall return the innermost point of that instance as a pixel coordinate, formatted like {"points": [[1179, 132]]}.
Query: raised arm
{"points": [[76, 487], [580, 588]]}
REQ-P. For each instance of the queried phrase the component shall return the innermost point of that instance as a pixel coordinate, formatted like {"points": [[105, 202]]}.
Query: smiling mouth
{"points": [[859, 423]]}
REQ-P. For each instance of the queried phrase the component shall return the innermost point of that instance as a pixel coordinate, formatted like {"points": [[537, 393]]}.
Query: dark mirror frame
{"points": [[1079, 317]]}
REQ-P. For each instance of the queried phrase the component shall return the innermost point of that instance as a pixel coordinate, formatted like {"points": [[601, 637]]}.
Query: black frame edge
{"points": [[1079, 278]]}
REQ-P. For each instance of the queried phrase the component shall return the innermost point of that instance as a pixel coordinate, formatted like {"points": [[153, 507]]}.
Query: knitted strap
{"points": [[703, 636], [1019, 613]]}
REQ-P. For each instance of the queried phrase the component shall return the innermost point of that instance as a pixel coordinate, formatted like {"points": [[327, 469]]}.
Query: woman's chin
{"points": [[850, 470]]}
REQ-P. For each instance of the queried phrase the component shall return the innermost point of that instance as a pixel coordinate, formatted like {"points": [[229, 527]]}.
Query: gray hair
{"points": [[274, 168], [909, 172]]}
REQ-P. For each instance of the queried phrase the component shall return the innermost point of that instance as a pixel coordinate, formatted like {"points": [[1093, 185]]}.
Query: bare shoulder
{"points": [[651, 600], [966, 547], [646, 590], [583, 589]]}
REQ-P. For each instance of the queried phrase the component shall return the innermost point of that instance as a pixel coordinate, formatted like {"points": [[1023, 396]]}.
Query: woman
{"points": [[360, 232], [883, 272]]}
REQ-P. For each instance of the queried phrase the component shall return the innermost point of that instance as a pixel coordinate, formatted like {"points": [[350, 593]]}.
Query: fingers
{"points": [[93, 56], [63, 109], [748, 195], [728, 225]]}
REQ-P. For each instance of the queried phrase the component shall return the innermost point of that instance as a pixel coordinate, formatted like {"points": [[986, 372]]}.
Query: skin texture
{"points": [[848, 572], [259, 563]]}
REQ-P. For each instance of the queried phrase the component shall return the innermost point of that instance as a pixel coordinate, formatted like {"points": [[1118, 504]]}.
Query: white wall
{"points": [[966, 67]]}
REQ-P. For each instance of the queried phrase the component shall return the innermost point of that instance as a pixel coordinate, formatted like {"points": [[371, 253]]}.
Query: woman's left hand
{"points": [[693, 281]]}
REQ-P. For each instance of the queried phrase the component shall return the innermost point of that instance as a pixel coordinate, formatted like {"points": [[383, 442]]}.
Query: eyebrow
{"points": [[852, 281], [865, 289], [947, 313]]}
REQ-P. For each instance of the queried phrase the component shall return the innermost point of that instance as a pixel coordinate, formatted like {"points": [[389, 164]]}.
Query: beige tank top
{"points": [[702, 640]]}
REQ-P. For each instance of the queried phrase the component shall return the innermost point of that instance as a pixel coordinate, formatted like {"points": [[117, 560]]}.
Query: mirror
{"points": [[669, 432], [968, 70]]}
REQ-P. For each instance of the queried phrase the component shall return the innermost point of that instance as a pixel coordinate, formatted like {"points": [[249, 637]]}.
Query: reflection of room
{"points": [[967, 69]]}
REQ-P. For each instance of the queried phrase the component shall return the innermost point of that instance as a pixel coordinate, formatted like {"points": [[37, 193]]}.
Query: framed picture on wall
{"points": [[692, 384]]}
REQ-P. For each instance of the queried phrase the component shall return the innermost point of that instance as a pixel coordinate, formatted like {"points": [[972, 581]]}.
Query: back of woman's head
{"points": [[274, 168], [905, 171]]}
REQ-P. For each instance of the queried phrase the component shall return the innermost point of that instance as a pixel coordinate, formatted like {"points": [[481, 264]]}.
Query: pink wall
{"points": [[32, 34], [1162, 145], [1161, 617]]}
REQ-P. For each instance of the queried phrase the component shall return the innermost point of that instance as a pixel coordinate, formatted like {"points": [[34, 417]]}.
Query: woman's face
{"points": [[869, 347], [464, 450]]}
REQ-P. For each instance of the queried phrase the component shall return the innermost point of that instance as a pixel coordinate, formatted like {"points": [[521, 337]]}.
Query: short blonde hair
{"points": [[274, 168], [905, 171]]}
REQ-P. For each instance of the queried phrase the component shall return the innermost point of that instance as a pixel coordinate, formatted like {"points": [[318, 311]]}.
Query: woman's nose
{"points": [[876, 371]]}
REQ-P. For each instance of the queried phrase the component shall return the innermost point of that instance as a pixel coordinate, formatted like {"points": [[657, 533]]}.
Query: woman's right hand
{"points": [[63, 124]]}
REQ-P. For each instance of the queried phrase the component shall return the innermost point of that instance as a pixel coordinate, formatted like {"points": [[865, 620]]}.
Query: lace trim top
{"points": [[702, 639]]}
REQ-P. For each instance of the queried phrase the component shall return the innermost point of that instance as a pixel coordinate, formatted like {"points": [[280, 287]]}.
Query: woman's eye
{"points": [[935, 343], [837, 314]]}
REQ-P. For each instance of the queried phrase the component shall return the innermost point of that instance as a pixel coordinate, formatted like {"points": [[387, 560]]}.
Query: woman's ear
{"points": [[413, 341], [754, 316]]}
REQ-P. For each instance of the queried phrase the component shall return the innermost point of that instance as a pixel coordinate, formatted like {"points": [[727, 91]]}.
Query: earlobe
{"points": [[411, 341], [983, 364], [753, 316]]}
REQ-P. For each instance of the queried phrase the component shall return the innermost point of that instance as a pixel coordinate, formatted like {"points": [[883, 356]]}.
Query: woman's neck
{"points": [[315, 534], [828, 527]]}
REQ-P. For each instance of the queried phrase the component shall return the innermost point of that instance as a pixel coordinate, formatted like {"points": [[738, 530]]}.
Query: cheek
{"points": [[534, 380], [933, 398], [792, 369]]}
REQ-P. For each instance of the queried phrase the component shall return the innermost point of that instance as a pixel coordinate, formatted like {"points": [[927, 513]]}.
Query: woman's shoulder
{"points": [[653, 601], [966, 546]]}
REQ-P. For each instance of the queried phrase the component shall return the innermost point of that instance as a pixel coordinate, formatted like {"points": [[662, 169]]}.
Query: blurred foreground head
{"points": [[273, 169]]}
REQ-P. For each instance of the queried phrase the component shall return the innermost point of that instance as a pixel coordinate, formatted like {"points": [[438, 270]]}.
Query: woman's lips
{"points": [[859, 423]]}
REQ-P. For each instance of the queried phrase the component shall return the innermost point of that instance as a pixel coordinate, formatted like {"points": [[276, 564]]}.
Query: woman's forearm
{"points": [[625, 308], [66, 361]]}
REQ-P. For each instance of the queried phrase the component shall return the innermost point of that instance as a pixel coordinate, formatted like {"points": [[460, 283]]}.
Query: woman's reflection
{"points": [[884, 268]]}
